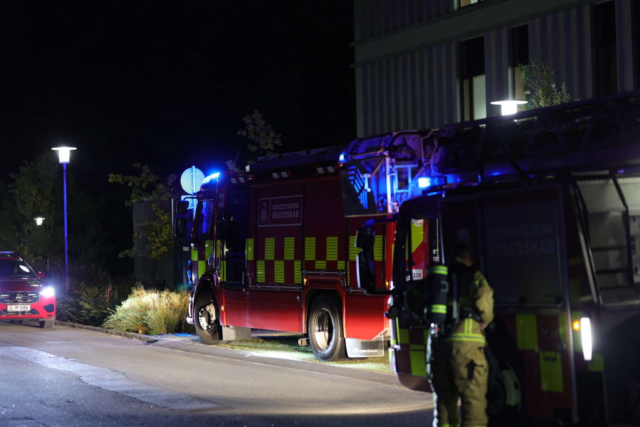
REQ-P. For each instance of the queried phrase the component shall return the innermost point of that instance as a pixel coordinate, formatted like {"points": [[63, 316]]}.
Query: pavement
{"points": [[76, 377]]}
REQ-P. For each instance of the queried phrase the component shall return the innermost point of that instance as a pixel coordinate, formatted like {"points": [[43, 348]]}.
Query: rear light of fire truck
{"points": [[587, 338]]}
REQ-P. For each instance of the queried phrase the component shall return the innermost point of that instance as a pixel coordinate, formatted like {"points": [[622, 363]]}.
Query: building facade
{"points": [[426, 63]]}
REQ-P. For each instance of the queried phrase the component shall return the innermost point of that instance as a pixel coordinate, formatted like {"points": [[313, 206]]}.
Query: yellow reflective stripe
{"points": [[418, 363], [439, 308], [202, 268], [353, 249], [378, 246], [223, 270], [467, 337], [194, 254], [596, 364], [269, 248], [527, 330], [332, 248], [309, 248], [403, 334], [297, 273], [260, 271], [416, 347], [289, 248], [439, 270], [340, 265], [249, 249], [278, 267], [551, 371], [417, 234], [468, 326], [321, 265]]}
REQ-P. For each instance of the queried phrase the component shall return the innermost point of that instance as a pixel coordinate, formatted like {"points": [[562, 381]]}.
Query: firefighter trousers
{"points": [[459, 370]]}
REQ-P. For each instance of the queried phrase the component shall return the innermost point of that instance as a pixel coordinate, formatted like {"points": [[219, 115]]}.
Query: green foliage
{"points": [[145, 185], [264, 140], [155, 236], [151, 312], [90, 302], [542, 84]]}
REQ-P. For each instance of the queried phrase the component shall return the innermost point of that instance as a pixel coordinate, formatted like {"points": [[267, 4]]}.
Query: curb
{"points": [[146, 338]]}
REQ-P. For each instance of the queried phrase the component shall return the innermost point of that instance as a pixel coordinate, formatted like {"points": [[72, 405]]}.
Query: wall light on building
{"points": [[509, 106]]}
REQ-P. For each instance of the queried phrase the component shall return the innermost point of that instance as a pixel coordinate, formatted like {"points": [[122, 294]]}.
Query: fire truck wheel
{"points": [[207, 321], [47, 324], [325, 330]]}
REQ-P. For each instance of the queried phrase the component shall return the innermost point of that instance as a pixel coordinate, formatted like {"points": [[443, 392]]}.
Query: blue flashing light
{"points": [[341, 158], [424, 182], [211, 177], [435, 193]]}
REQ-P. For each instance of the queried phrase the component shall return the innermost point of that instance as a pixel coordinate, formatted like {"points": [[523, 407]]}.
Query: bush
{"points": [[151, 312]]}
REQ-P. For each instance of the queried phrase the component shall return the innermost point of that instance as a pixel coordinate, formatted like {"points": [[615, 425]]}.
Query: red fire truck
{"points": [[271, 248], [550, 200]]}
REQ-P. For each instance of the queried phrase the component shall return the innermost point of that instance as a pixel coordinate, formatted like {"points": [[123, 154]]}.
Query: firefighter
{"points": [[458, 366]]}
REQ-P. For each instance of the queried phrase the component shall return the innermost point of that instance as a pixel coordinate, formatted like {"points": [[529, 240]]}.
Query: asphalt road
{"points": [[75, 377]]}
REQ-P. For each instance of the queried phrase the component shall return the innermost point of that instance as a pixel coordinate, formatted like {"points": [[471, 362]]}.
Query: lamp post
{"points": [[39, 220], [64, 155], [509, 106]]}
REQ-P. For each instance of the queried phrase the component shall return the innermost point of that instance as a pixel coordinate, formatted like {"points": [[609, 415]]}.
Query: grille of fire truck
{"points": [[19, 297]]}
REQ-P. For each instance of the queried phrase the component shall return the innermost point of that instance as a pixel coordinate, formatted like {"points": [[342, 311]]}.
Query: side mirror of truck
{"points": [[182, 207], [180, 228], [365, 239]]}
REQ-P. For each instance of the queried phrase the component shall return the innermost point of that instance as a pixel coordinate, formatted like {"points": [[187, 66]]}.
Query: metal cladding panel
{"points": [[415, 90], [376, 17], [625, 14], [563, 40]]}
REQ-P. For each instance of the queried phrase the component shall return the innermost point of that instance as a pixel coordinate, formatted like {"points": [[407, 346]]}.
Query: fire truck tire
{"points": [[47, 324], [207, 320], [325, 330]]}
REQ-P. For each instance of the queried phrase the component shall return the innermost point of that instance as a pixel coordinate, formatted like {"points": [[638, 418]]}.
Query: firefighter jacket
{"points": [[475, 299]]}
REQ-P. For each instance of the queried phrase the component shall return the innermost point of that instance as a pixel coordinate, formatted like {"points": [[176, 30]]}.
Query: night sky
{"points": [[167, 83]]}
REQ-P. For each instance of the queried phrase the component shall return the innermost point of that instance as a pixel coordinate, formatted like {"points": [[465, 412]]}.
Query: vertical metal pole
{"points": [[66, 235], [193, 189]]}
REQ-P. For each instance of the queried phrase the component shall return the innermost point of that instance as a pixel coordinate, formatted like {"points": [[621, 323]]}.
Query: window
{"points": [[604, 39], [465, 3], [204, 219], [237, 224], [473, 90], [520, 64]]}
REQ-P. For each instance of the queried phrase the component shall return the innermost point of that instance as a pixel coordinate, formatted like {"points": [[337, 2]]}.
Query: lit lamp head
{"points": [[64, 153], [39, 220], [508, 107]]}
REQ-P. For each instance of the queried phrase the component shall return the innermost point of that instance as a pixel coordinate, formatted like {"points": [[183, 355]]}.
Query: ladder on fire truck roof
{"points": [[596, 141]]}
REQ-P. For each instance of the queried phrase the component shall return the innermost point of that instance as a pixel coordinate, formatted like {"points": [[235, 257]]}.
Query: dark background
{"points": [[166, 83]]}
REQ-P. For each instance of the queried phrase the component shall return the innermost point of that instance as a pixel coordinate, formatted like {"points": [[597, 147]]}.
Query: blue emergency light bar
{"points": [[211, 177], [6, 252]]}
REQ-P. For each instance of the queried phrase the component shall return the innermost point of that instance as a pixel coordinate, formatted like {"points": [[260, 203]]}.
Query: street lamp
{"points": [[509, 106], [64, 155], [39, 220]]}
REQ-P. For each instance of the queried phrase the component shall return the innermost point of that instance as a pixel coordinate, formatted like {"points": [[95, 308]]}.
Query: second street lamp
{"points": [[64, 155]]}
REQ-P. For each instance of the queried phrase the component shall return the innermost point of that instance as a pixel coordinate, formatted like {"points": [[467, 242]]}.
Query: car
{"points": [[23, 294]]}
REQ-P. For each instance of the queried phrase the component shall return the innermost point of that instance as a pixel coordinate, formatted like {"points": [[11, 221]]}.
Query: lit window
{"points": [[520, 64], [465, 3]]}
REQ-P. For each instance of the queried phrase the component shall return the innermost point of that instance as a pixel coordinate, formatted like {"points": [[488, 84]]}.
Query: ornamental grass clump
{"points": [[149, 311]]}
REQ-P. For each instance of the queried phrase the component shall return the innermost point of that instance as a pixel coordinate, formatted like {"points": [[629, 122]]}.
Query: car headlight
{"points": [[47, 292], [587, 338]]}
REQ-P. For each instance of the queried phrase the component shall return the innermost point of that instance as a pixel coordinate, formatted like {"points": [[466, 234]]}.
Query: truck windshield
{"points": [[14, 268], [204, 219]]}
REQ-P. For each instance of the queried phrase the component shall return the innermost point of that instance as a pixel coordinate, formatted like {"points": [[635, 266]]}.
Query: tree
{"points": [[542, 85], [264, 140], [156, 236]]}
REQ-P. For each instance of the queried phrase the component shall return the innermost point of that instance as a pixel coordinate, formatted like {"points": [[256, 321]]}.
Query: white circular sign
{"points": [[191, 180]]}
